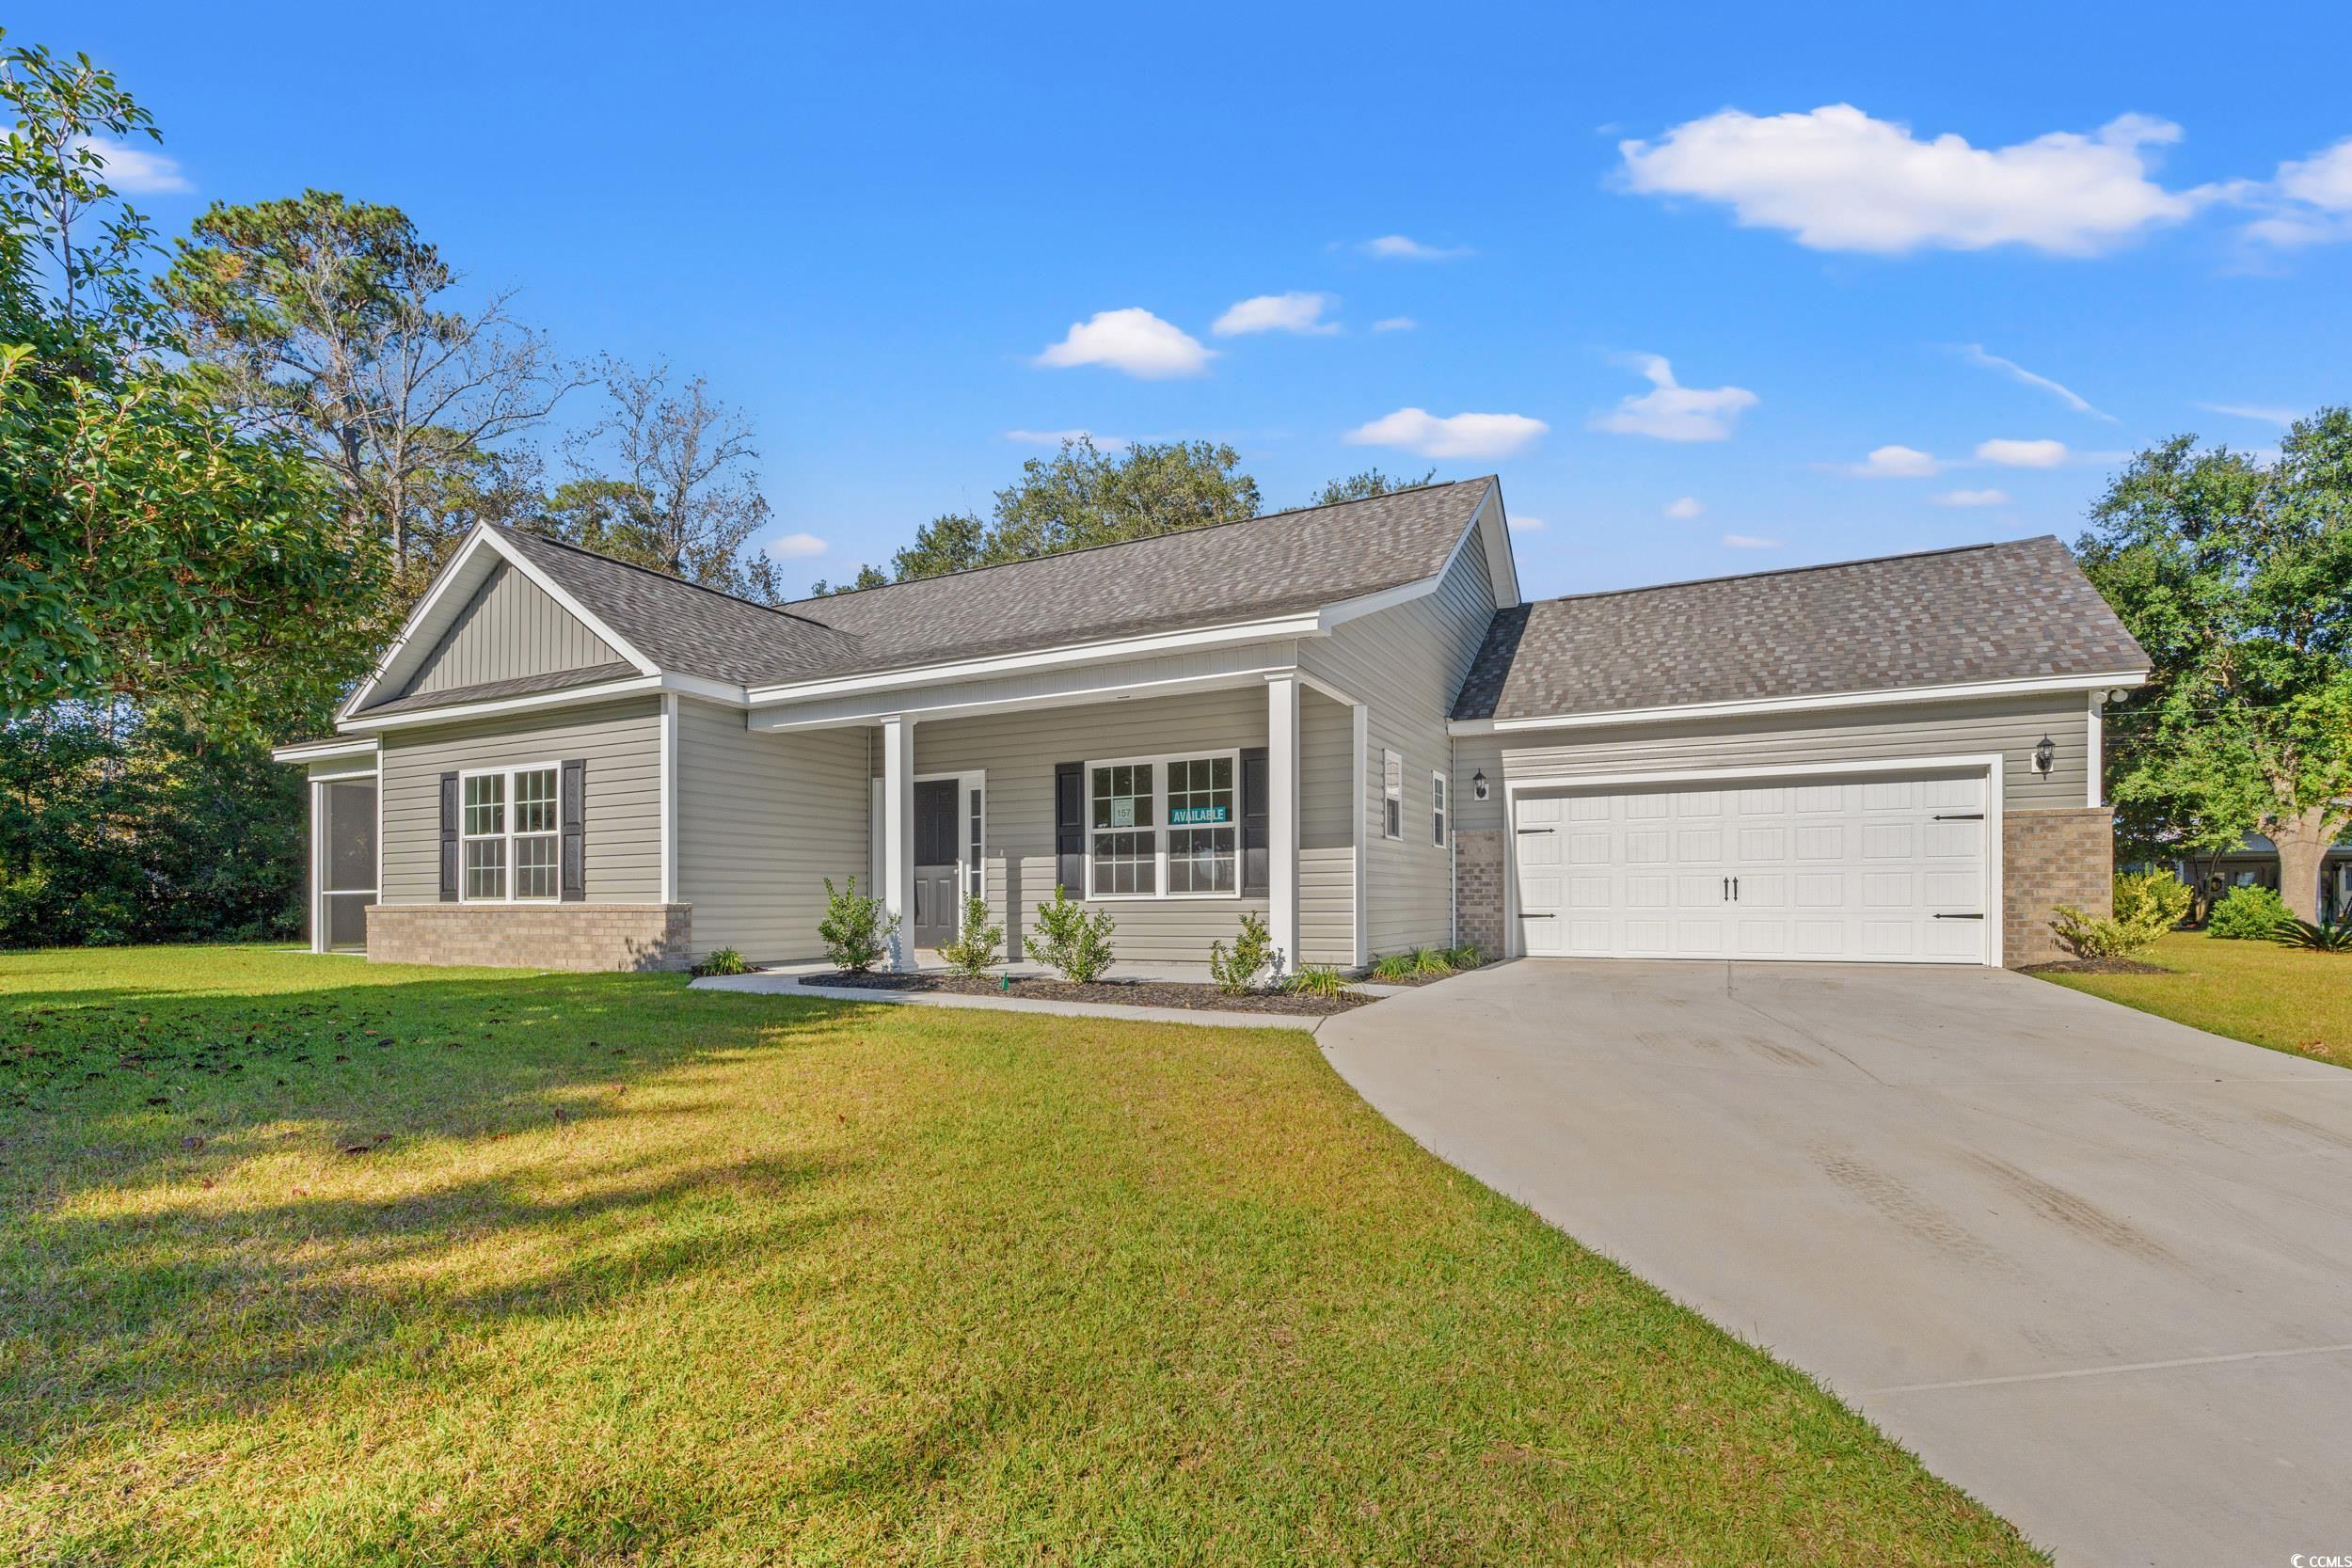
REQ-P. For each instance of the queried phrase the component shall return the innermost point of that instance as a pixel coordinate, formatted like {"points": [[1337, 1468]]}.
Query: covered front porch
{"points": [[1177, 800]]}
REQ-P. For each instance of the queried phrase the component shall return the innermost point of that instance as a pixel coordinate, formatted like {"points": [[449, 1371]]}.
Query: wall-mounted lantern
{"points": [[2045, 755], [1478, 786]]}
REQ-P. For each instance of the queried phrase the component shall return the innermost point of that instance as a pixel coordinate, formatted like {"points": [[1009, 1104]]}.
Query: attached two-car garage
{"points": [[1890, 867]]}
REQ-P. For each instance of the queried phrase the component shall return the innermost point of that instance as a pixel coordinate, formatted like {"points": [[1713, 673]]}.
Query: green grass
{"points": [[2256, 991], [624, 1272]]}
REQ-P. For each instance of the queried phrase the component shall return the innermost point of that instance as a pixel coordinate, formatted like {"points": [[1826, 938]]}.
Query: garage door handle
{"points": [[1534, 830], [1959, 917], [1524, 916], [1958, 817]]}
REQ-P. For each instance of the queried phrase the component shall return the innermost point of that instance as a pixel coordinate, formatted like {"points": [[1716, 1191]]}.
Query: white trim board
{"points": [[323, 751], [1989, 763], [1877, 697]]}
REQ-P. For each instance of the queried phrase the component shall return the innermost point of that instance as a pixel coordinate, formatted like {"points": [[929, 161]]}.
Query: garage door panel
{"points": [[1848, 870]]}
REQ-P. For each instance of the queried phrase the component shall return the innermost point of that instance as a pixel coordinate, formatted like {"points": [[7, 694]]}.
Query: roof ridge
{"points": [[1121, 544], [1795, 571], [655, 572]]}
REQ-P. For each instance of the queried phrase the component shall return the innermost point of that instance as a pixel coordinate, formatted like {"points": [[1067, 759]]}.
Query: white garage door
{"points": [[1875, 869]]}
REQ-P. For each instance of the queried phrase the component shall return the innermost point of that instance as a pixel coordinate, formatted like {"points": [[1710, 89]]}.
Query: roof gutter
{"points": [[1308, 624], [687, 686], [1874, 697]]}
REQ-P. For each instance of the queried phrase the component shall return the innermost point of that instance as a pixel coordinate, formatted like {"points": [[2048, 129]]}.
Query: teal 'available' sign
{"points": [[1197, 816]]}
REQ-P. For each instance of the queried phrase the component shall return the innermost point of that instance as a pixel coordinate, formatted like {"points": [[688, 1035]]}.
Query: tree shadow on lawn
{"points": [[336, 1176]]}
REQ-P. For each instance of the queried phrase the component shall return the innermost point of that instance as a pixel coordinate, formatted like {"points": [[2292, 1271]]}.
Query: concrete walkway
{"points": [[2092, 1266]]}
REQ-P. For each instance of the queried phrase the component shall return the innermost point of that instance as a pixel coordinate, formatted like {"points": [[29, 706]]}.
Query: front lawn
{"points": [[2258, 992], [304, 1261]]}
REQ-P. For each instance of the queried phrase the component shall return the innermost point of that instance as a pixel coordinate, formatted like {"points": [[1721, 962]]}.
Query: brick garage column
{"points": [[532, 936], [1478, 873], [2050, 858]]}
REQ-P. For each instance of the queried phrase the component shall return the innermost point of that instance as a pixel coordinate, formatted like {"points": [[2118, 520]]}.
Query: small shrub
{"points": [[856, 931], [975, 950], [1431, 960], [2246, 914], [1253, 951], [722, 960], [1318, 980], [2333, 936], [1465, 957], [2152, 901], [2147, 905], [1073, 942], [1396, 967]]}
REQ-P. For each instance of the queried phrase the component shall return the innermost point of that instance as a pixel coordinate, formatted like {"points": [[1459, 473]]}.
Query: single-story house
{"points": [[1345, 718], [2255, 864]]}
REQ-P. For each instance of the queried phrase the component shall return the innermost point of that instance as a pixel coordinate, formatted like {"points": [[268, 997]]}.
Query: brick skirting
{"points": [[1478, 888], [530, 936], [2050, 858]]}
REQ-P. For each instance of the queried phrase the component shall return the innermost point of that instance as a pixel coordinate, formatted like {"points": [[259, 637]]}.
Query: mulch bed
{"points": [[1414, 979], [1120, 993], [2096, 966]]}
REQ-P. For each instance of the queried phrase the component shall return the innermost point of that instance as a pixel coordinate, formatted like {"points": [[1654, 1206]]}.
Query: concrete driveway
{"points": [[2092, 1266]]}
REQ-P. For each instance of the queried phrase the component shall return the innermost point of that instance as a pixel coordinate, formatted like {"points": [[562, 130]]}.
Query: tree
{"points": [[149, 549], [867, 577], [665, 479], [333, 323], [1362, 486], [2236, 576], [1082, 497]]}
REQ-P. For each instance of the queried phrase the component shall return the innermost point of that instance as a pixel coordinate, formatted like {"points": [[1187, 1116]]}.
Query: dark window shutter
{"points": [[1069, 826], [1256, 839], [573, 878], [448, 838]]}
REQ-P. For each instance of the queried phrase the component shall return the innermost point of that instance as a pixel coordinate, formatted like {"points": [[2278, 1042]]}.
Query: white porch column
{"points": [[1282, 815], [897, 827]]}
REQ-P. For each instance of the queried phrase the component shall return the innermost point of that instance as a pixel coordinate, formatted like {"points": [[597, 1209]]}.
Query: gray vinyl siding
{"points": [[1326, 844], [1018, 752], [2010, 726], [510, 629], [1406, 665], [621, 839], [762, 819]]}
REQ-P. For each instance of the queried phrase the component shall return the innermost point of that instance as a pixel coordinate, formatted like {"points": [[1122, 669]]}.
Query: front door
{"points": [[936, 902]]}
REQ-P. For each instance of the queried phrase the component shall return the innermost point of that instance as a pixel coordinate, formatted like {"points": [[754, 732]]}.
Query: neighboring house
{"points": [[1344, 717], [2255, 864]]}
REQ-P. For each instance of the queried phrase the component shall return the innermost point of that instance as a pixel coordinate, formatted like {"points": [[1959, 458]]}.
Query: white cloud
{"points": [[1055, 437], [1685, 509], [1291, 312], [2247, 411], [1416, 430], [1527, 525], [1673, 412], [1838, 179], [135, 170], [1971, 497], [1394, 323], [1894, 462], [2023, 454], [1134, 341], [1396, 247], [1975, 355], [1750, 542], [2309, 201], [796, 546]]}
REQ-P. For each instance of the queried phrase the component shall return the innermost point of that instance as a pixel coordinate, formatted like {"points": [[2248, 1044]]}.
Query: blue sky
{"points": [[871, 227]]}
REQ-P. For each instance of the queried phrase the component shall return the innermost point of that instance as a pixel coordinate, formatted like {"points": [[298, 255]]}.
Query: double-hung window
{"points": [[1436, 809], [510, 829], [1391, 795], [1163, 827]]}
